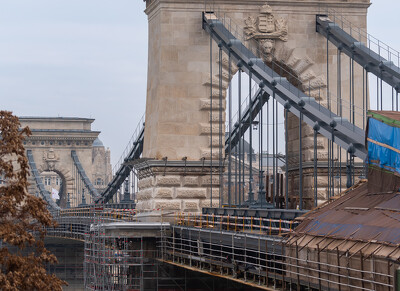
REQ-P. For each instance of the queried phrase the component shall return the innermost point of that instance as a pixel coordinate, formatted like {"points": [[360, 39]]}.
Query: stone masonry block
{"points": [[190, 205], [215, 117], [215, 193], [168, 205], [145, 194], [207, 203], [168, 181], [191, 181], [163, 193], [206, 130], [321, 181], [205, 104], [145, 205], [206, 180], [216, 141], [146, 183], [206, 153], [190, 193]]}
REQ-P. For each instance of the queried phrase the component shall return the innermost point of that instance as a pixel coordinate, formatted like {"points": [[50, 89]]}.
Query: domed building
{"points": [[101, 169]]}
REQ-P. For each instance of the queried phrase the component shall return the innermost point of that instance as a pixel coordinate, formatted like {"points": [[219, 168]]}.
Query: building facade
{"points": [[53, 142]]}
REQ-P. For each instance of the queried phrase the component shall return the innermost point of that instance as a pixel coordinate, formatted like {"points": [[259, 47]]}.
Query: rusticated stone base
{"points": [[176, 187]]}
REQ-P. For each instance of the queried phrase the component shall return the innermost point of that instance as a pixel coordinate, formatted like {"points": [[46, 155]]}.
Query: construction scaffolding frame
{"points": [[249, 224], [118, 263], [128, 260], [268, 261]]}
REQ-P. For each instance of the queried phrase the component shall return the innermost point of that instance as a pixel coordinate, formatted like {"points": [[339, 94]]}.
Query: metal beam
{"points": [[358, 51], [36, 176], [93, 191], [346, 135], [123, 171]]}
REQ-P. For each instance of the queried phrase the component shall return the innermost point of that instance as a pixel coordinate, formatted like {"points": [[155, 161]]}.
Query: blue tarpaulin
{"points": [[383, 145]]}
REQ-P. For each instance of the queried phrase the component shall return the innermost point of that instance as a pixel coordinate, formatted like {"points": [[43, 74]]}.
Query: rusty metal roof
{"points": [[357, 215]]}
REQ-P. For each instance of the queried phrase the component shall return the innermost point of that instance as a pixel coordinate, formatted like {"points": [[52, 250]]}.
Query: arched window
{"points": [[99, 181]]}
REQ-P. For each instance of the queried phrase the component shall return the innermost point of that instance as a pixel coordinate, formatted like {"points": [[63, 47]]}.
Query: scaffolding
{"points": [[74, 223], [118, 263], [130, 259], [269, 261], [248, 224]]}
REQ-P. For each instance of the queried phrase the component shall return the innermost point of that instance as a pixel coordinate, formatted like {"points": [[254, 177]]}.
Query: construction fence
{"points": [[269, 261]]}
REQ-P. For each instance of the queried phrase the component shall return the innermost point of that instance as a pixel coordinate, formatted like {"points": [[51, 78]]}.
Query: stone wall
{"points": [[180, 91], [177, 188]]}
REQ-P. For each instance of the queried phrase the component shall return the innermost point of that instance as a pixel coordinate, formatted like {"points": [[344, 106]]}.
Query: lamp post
{"points": [[83, 198], [127, 195]]}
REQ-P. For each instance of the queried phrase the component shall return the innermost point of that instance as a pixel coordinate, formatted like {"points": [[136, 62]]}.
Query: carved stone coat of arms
{"points": [[50, 159], [266, 29]]}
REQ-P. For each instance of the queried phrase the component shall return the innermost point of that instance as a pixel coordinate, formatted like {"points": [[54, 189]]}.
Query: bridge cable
{"points": [[316, 128], [230, 129], [300, 161], [268, 154], [277, 153], [340, 110], [240, 131], [364, 55], [251, 194], [39, 183], [83, 177], [287, 106], [330, 158], [220, 129], [211, 122], [273, 153], [304, 112], [363, 96], [261, 193]]}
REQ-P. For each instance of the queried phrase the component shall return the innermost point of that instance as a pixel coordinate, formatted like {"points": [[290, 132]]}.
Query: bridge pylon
{"points": [[186, 78], [67, 156]]}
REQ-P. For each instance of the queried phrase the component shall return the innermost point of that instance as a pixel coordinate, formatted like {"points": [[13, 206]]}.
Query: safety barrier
{"points": [[259, 225]]}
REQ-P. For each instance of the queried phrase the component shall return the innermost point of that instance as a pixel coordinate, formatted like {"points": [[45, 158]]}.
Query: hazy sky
{"points": [[88, 58]]}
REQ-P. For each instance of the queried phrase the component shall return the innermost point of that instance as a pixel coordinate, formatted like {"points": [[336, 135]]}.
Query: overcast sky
{"points": [[88, 58]]}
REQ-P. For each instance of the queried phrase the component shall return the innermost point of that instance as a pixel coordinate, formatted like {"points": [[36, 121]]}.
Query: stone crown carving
{"points": [[266, 29]]}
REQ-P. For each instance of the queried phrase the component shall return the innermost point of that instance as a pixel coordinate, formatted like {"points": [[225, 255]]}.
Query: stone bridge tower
{"points": [[51, 143], [177, 137]]}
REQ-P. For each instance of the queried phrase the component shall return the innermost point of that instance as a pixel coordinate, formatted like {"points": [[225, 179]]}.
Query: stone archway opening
{"points": [[55, 183], [299, 72], [230, 83], [286, 72]]}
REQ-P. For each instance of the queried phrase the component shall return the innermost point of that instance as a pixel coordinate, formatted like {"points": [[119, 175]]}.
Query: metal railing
{"points": [[269, 261], [121, 171], [265, 226], [130, 145], [386, 52]]}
